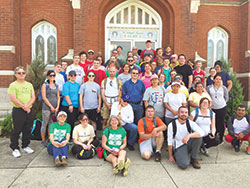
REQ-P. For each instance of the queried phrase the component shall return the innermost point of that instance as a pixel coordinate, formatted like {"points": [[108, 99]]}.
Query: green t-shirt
{"points": [[115, 137], [22, 91], [59, 131]]}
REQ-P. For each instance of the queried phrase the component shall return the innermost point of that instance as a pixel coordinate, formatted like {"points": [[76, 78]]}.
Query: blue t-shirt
{"points": [[225, 77], [134, 90], [72, 90]]}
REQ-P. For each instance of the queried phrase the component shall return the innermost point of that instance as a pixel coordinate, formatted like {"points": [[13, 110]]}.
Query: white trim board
{"points": [[7, 48]]}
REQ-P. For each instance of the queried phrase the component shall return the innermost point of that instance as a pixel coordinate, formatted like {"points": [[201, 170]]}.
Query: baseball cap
{"points": [[72, 72], [125, 97], [174, 83], [62, 113], [153, 76], [91, 51]]}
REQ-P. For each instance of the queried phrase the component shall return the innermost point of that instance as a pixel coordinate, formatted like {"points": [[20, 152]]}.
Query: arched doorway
{"points": [[130, 24]]}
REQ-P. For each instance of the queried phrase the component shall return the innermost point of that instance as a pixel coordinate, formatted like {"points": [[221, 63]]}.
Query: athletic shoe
{"points": [[248, 150], [116, 170], [125, 169], [237, 146], [204, 151], [28, 150], [64, 161], [195, 163], [120, 165], [158, 156], [58, 162], [130, 147], [44, 143], [16, 153]]}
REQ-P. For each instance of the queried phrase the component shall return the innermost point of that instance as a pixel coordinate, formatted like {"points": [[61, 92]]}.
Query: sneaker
{"points": [[16, 153], [237, 146], [248, 150], [125, 169], [158, 156], [58, 162], [204, 151], [28, 150], [116, 170], [64, 161], [130, 147], [195, 163], [44, 143], [121, 165]]}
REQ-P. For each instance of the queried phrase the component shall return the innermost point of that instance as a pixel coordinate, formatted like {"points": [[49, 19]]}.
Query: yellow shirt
{"points": [[22, 91], [196, 97]]}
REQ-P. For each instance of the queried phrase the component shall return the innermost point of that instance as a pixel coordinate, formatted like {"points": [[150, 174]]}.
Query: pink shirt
{"points": [[146, 80]]}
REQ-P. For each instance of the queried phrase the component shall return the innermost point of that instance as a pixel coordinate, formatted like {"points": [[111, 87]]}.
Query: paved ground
{"points": [[224, 168]]}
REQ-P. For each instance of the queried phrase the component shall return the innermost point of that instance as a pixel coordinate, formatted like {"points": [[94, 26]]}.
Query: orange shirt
{"points": [[150, 125]]}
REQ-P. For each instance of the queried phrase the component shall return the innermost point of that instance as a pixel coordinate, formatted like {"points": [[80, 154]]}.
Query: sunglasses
{"points": [[135, 73], [73, 75], [125, 101], [21, 73], [52, 75], [91, 75], [130, 60], [85, 119]]}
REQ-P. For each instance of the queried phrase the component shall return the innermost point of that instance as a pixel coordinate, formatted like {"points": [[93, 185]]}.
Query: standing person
{"points": [[63, 70], [22, 96], [77, 68], [185, 71], [90, 57], [114, 141], [219, 95], [226, 79], [125, 75], [148, 50], [110, 92], [132, 63], [59, 139], [159, 52], [146, 59], [205, 119], [70, 102], [174, 61], [84, 139], [51, 102], [90, 98], [100, 75], [196, 80], [172, 101], [147, 75], [82, 62], [59, 79], [199, 72], [154, 96], [166, 69], [150, 129], [123, 110], [135, 53], [119, 54], [135, 89], [114, 54], [101, 67], [184, 137], [159, 61], [210, 78], [162, 78], [167, 52]]}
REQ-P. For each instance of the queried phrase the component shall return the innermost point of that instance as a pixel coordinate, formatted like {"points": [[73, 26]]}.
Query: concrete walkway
{"points": [[224, 168]]}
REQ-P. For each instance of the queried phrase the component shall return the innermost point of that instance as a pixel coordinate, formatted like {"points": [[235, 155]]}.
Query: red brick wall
{"points": [[6, 80]]}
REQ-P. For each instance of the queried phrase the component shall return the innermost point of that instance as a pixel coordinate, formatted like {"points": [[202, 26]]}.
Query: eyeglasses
{"points": [[73, 75], [125, 101], [52, 75], [130, 60], [135, 73], [91, 75], [21, 73], [85, 119]]}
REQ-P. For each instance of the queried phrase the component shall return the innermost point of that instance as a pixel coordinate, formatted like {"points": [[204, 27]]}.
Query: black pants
{"points": [[86, 154], [71, 117], [22, 124], [208, 142], [220, 115]]}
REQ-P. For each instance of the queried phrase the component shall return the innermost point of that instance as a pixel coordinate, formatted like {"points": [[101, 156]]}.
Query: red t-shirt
{"points": [[85, 66], [151, 52], [100, 75], [200, 74]]}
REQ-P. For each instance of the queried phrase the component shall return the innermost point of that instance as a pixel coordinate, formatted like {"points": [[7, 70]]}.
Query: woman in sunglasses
{"points": [[51, 102]]}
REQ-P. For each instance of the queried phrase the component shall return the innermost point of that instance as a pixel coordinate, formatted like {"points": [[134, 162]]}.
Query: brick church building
{"points": [[51, 29]]}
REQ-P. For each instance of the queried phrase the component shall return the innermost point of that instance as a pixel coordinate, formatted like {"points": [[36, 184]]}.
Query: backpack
{"points": [[145, 125], [197, 114], [40, 98], [175, 128], [117, 81], [36, 130]]}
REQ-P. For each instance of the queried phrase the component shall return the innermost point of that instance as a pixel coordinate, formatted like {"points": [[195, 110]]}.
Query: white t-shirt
{"points": [[240, 125], [111, 92], [59, 79], [174, 101], [79, 72], [83, 134], [204, 122], [181, 132]]}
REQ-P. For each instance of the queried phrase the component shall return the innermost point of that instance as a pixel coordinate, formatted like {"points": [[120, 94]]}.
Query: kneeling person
{"points": [[84, 139], [184, 136], [150, 130]]}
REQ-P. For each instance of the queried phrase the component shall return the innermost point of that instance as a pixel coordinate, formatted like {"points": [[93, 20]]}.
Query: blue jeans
{"points": [[138, 112], [63, 151], [132, 129]]}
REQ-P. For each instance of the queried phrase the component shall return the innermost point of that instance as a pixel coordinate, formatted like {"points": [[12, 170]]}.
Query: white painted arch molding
{"points": [[194, 6], [76, 4]]}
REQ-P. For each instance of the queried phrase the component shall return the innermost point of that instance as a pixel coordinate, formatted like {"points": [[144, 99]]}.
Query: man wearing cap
{"points": [[185, 70], [150, 129], [154, 96], [183, 89], [91, 56], [123, 110], [172, 101], [174, 61], [148, 50], [135, 88], [77, 68], [70, 101]]}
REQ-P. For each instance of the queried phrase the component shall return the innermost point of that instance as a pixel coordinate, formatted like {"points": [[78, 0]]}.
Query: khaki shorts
{"points": [[105, 112]]}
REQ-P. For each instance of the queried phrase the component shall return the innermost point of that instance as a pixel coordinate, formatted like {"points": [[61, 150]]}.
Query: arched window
{"points": [[44, 42], [217, 47]]}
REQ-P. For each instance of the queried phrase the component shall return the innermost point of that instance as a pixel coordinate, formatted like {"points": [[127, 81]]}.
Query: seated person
{"points": [[84, 139], [150, 131], [114, 141], [239, 129], [205, 119], [184, 137], [59, 139]]}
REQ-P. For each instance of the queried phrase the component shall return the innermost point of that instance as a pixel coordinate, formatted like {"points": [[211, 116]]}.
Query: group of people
{"points": [[152, 97]]}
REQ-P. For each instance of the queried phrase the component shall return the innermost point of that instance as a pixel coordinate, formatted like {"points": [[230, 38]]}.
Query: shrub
{"points": [[7, 124]]}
